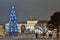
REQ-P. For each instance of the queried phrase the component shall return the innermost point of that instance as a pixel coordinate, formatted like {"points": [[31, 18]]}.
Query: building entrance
{"points": [[23, 29]]}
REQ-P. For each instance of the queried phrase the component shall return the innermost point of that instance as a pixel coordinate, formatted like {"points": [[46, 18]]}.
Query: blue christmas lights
{"points": [[13, 29]]}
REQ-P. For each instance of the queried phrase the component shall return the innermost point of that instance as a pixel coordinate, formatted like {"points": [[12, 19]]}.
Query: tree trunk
{"points": [[57, 31]]}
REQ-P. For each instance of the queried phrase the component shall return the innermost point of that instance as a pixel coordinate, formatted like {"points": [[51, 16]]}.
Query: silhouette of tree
{"points": [[55, 22]]}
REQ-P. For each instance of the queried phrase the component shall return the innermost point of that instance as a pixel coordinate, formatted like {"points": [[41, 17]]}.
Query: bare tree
{"points": [[55, 22]]}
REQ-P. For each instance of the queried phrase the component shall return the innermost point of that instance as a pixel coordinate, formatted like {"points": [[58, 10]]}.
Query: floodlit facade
{"points": [[31, 24], [28, 25], [2, 31]]}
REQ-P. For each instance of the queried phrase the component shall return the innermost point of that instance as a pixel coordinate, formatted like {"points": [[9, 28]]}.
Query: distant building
{"points": [[31, 24], [28, 25], [2, 30], [43, 22]]}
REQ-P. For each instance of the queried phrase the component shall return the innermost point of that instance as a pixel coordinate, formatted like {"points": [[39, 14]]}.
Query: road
{"points": [[18, 38], [26, 39]]}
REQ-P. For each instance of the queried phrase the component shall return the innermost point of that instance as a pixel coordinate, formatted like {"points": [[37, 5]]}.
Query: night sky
{"points": [[41, 9]]}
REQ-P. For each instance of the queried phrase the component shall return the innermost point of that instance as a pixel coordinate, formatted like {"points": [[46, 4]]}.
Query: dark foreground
{"points": [[12, 38], [26, 39]]}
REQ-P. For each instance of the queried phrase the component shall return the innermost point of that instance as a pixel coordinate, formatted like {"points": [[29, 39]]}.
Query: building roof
{"points": [[22, 22], [43, 21]]}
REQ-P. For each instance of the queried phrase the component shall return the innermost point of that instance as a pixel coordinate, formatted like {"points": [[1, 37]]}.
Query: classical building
{"points": [[31, 25], [28, 25], [23, 26], [43, 22]]}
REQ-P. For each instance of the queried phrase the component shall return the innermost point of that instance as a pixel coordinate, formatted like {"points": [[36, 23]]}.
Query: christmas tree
{"points": [[13, 29]]}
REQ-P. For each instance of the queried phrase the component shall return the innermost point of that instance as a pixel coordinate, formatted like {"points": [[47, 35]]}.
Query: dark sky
{"points": [[41, 9]]}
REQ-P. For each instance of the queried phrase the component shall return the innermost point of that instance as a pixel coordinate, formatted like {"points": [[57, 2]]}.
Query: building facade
{"points": [[31, 25], [2, 30], [28, 25]]}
